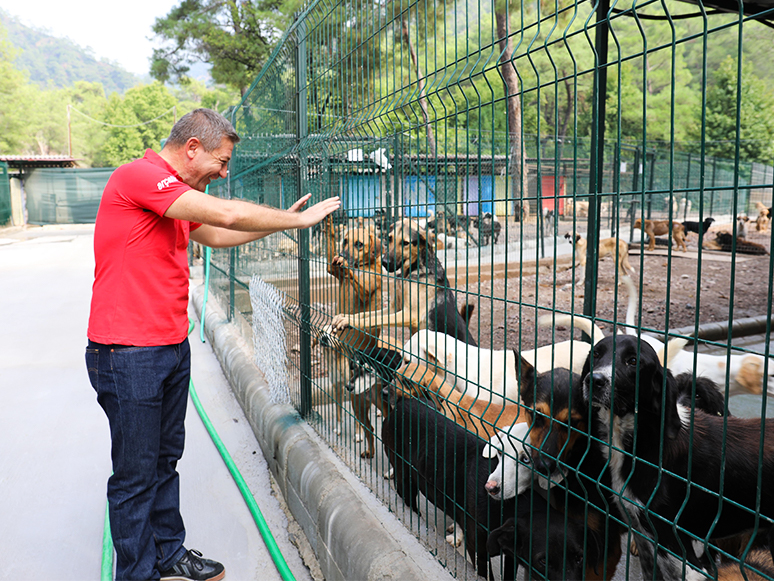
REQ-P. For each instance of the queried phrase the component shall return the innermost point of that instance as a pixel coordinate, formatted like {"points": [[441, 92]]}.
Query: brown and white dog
{"points": [[491, 375], [680, 474], [655, 228], [479, 417]]}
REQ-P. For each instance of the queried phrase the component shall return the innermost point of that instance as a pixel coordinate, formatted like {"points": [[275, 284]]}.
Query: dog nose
{"points": [[492, 487], [595, 379], [546, 466]]}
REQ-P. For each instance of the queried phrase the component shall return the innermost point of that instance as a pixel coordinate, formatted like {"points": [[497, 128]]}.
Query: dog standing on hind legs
{"points": [[421, 297], [355, 262]]}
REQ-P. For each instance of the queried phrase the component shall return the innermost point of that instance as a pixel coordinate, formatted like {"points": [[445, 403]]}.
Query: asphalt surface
{"points": [[54, 439]]}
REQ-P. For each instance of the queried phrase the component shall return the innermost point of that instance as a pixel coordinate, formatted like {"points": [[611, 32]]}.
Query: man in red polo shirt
{"points": [[138, 356]]}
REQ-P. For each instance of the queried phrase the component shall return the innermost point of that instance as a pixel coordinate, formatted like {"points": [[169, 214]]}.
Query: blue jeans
{"points": [[144, 392]]}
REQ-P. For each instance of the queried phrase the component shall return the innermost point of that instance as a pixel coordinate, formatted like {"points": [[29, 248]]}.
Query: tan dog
{"points": [[357, 268], [421, 297], [655, 228], [764, 218], [578, 208], [607, 247]]}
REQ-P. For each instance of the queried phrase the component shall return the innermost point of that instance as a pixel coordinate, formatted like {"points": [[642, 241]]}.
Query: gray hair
{"points": [[206, 125]]}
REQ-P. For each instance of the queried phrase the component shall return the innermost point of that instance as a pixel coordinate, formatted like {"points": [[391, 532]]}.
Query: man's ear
{"points": [[192, 147]]}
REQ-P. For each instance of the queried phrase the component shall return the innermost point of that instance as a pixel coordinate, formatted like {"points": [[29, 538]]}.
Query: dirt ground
{"points": [[674, 293]]}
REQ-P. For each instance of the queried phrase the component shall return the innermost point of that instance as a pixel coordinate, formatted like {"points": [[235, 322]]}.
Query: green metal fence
{"points": [[556, 119], [5, 195], [64, 195]]}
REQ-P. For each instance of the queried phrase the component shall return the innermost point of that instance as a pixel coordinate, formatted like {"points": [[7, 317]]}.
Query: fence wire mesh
{"points": [[496, 162]]}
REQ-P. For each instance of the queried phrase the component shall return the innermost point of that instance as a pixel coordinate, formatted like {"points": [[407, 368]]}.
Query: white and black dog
{"points": [[682, 475]]}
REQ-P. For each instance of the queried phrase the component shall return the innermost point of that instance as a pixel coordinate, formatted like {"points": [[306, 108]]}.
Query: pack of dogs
{"points": [[735, 241], [558, 459]]}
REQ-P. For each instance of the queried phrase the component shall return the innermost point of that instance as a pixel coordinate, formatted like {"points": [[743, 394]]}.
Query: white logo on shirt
{"points": [[165, 182]]}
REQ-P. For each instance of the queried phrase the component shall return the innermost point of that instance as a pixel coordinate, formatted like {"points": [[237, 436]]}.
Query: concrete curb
{"points": [[350, 542]]}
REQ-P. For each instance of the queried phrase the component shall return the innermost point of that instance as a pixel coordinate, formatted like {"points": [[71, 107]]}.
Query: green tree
{"points": [[134, 126], [12, 101], [192, 94], [656, 82], [756, 118], [235, 37], [88, 105]]}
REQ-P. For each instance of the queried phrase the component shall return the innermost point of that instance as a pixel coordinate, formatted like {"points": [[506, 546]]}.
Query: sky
{"points": [[116, 32]]}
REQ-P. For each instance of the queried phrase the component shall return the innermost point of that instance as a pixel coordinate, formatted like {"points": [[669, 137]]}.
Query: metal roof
{"points": [[35, 161]]}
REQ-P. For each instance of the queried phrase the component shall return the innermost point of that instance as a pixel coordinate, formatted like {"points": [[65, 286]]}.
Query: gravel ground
{"points": [[677, 291]]}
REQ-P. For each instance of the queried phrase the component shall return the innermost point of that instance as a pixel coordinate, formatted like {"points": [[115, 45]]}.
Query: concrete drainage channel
{"points": [[352, 534]]}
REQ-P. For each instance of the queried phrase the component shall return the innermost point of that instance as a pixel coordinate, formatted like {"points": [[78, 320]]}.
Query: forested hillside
{"points": [[59, 62], [92, 110]]}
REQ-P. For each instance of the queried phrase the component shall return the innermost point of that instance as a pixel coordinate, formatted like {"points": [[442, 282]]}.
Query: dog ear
{"points": [[526, 379], [672, 423], [670, 351], [431, 242], [376, 245]]}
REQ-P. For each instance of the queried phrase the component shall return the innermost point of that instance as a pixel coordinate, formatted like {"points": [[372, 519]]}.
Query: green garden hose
{"points": [[263, 528], [106, 574]]}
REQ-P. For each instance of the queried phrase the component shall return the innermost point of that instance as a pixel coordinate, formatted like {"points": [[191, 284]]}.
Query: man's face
{"points": [[207, 166]]}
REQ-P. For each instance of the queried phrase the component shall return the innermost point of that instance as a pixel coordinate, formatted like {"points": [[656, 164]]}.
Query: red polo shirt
{"points": [[140, 291]]}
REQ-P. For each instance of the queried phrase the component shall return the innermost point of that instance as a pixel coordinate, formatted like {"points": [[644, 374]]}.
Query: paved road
{"points": [[54, 436]]}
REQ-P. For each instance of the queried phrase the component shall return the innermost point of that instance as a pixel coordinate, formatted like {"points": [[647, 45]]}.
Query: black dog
{"points": [[708, 398], [636, 402], [549, 542], [373, 366], [698, 227], [433, 455], [488, 229]]}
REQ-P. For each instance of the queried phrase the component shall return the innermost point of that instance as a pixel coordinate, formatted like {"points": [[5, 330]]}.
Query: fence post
{"points": [[304, 279], [597, 166]]}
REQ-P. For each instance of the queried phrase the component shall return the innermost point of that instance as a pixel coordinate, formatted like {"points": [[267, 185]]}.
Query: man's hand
{"points": [[317, 212], [300, 203]]}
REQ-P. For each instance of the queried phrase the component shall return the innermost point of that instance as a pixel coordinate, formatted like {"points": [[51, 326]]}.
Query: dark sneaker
{"points": [[192, 567]]}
